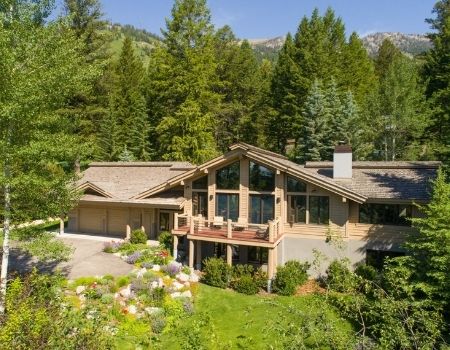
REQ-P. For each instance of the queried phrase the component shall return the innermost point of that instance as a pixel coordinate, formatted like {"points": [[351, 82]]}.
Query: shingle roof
{"points": [[385, 180], [123, 180]]}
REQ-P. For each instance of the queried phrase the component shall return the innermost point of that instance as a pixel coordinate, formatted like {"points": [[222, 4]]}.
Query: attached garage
{"points": [[92, 220], [117, 222]]}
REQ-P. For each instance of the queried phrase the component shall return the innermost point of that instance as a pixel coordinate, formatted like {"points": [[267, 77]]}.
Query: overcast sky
{"points": [[270, 18]]}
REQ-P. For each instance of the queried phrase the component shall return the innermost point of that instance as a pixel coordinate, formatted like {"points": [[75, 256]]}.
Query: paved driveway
{"points": [[88, 259]]}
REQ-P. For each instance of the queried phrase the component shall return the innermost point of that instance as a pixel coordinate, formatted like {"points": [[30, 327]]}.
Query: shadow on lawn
{"points": [[21, 262]]}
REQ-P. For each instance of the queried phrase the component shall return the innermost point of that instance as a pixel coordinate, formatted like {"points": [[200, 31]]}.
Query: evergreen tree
{"points": [[331, 124], [286, 121], [387, 53], [311, 147], [437, 74], [87, 110], [430, 248], [345, 128], [126, 155], [182, 71], [107, 138], [127, 106]]}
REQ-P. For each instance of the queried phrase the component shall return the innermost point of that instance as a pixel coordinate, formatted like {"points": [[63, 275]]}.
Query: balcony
{"points": [[199, 228]]}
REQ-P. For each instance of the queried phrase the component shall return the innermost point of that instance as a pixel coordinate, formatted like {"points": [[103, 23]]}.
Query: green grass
{"points": [[240, 321]]}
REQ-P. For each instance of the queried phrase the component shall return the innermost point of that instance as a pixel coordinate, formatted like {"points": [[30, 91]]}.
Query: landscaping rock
{"points": [[117, 254], [194, 278], [175, 295], [160, 283], [132, 309], [177, 285], [186, 294], [152, 310], [126, 292], [187, 284], [182, 277], [154, 284], [156, 268], [80, 289]]}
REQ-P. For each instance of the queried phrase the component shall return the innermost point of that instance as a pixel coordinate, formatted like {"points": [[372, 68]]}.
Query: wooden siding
{"points": [[117, 221], [188, 196], [243, 192], [92, 220]]}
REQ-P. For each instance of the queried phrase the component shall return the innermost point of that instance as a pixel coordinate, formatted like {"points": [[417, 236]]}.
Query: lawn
{"points": [[238, 321]]}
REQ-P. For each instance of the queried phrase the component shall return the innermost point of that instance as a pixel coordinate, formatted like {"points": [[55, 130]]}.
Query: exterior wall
{"points": [[301, 248]]}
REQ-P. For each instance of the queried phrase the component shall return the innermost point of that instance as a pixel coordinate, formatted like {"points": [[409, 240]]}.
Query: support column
{"points": [[229, 254], [198, 260], [128, 232], [270, 264], [191, 253], [175, 247]]}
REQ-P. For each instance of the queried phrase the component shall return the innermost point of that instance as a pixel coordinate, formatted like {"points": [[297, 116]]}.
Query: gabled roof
{"points": [[120, 181], [274, 160], [385, 180]]}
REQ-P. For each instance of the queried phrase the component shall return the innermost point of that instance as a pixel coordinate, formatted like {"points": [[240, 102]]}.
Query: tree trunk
{"points": [[6, 229]]}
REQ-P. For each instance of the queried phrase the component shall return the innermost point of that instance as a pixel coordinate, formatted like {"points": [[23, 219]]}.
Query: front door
{"points": [[164, 221]]}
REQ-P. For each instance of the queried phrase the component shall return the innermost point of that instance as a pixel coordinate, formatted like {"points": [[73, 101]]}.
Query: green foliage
{"points": [[367, 272], [340, 278], [165, 240], [122, 281], [290, 276], [246, 284], [36, 317], [138, 237], [46, 247], [216, 272]]}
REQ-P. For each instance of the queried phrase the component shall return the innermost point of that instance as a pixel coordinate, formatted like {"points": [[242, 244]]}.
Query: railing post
{"points": [[128, 232], [175, 221], [229, 229], [271, 226], [192, 225], [175, 247]]}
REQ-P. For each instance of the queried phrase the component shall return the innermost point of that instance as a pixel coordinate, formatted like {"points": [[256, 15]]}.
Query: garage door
{"points": [[92, 220], [117, 222]]}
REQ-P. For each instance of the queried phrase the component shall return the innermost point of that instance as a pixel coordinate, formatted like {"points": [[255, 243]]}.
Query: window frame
{"points": [[228, 195], [261, 206], [261, 190], [398, 206], [217, 172], [198, 193], [319, 209]]}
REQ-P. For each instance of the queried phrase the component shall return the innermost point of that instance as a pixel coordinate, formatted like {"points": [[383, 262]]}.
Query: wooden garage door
{"points": [[92, 220], [117, 221]]}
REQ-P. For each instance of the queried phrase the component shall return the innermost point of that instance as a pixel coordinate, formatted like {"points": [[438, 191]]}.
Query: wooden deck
{"points": [[221, 233]]}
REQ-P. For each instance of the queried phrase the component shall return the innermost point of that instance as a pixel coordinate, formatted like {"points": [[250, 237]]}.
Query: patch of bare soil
{"points": [[310, 287]]}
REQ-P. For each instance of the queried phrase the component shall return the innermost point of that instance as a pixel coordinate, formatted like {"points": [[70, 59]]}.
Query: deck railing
{"points": [[181, 220], [274, 229]]}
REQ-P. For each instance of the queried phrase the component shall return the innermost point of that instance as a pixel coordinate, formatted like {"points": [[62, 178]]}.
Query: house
{"points": [[253, 206]]}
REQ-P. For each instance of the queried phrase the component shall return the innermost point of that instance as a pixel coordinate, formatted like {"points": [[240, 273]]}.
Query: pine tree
{"points": [[107, 139], [345, 129], [437, 73], [127, 106], [285, 123], [183, 70], [332, 119], [387, 53], [314, 114]]}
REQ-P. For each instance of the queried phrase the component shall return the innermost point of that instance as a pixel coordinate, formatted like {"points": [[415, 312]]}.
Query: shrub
{"points": [[138, 237], [240, 270], [246, 285], [367, 272], [172, 268], [122, 281], [186, 270], [107, 298], [260, 278], [133, 258], [165, 240], [290, 276], [216, 272], [157, 323], [340, 278], [111, 247], [157, 295]]}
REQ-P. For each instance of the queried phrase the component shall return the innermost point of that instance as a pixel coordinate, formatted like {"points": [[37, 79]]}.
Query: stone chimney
{"points": [[342, 161]]}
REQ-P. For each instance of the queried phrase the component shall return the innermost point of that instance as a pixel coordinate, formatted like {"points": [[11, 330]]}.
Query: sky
{"points": [[256, 19]]}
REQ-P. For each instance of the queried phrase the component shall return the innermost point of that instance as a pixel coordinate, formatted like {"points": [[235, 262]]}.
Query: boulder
{"points": [[156, 268], [80, 289], [182, 277], [187, 284], [125, 292], [186, 294], [194, 278], [175, 295], [132, 309], [177, 285], [154, 284], [160, 283]]}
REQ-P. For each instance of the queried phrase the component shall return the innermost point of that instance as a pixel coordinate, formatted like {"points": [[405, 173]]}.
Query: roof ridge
{"points": [[159, 164], [257, 149], [376, 164]]}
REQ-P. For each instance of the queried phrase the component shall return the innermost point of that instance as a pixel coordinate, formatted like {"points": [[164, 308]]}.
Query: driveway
{"points": [[88, 259]]}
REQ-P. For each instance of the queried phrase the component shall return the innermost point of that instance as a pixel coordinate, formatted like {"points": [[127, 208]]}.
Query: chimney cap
{"points": [[342, 148]]}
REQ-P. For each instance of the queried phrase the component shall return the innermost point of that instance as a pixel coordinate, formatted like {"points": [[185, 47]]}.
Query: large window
{"points": [[387, 214], [258, 255], [294, 185], [227, 178], [200, 203], [261, 178], [319, 210], [201, 183], [261, 208], [297, 209], [227, 206]]}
